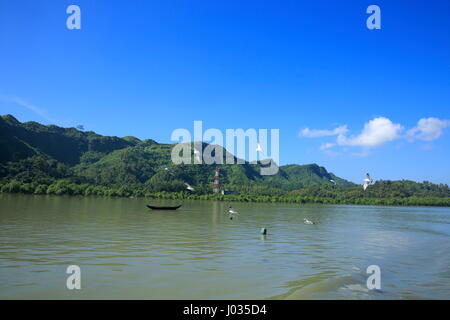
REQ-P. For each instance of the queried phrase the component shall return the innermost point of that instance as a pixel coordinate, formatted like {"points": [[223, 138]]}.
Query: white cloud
{"points": [[427, 129], [31, 107], [375, 133], [363, 153], [428, 146], [19, 101], [331, 153], [327, 146], [308, 133]]}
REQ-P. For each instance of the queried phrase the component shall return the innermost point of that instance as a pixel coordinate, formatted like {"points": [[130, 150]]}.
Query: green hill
{"points": [[295, 176], [112, 161], [22, 140], [38, 159]]}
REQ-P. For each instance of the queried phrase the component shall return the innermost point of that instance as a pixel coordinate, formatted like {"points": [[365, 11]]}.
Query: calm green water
{"points": [[126, 251]]}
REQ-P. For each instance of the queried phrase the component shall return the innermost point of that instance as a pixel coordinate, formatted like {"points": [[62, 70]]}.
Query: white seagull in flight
{"points": [[258, 148], [197, 155], [189, 187], [167, 169], [367, 181]]}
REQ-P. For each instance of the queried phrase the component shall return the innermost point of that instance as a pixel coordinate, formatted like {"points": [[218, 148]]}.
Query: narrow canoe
{"points": [[163, 208]]}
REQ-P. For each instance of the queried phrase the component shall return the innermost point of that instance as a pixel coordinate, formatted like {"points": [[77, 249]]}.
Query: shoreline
{"points": [[389, 202]]}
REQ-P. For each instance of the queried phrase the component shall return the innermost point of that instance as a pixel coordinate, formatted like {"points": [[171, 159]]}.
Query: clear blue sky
{"points": [[145, 68]]}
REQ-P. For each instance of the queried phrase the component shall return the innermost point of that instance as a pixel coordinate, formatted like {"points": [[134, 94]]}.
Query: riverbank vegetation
{"points": [[398, 193]]}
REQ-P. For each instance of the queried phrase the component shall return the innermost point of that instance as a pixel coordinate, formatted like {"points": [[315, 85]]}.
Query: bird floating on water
{"points": [[306, 221], [367, 180], [231, 210], [263, 231], [232, 213]]}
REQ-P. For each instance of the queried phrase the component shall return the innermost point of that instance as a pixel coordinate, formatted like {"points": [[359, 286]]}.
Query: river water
{"points": [[126, 251]]}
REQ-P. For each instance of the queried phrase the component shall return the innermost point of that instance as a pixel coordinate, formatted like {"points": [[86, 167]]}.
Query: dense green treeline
{"points": [[66, 187]]}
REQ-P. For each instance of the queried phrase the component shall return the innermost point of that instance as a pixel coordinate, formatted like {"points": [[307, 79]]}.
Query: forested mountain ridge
{"points": [[22, 140], [42, 159], [97, 159]]}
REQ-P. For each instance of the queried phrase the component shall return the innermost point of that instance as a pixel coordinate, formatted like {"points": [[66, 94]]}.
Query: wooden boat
{"points": [[163, 207]]}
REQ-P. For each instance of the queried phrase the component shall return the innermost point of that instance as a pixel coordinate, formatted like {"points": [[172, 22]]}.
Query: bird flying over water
{"points": [[189, 187], [367, 180]]}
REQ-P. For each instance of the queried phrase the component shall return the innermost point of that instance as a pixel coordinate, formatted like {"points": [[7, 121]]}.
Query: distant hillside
{"points": [[22, 140], [87, 157], [295, 176]]}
